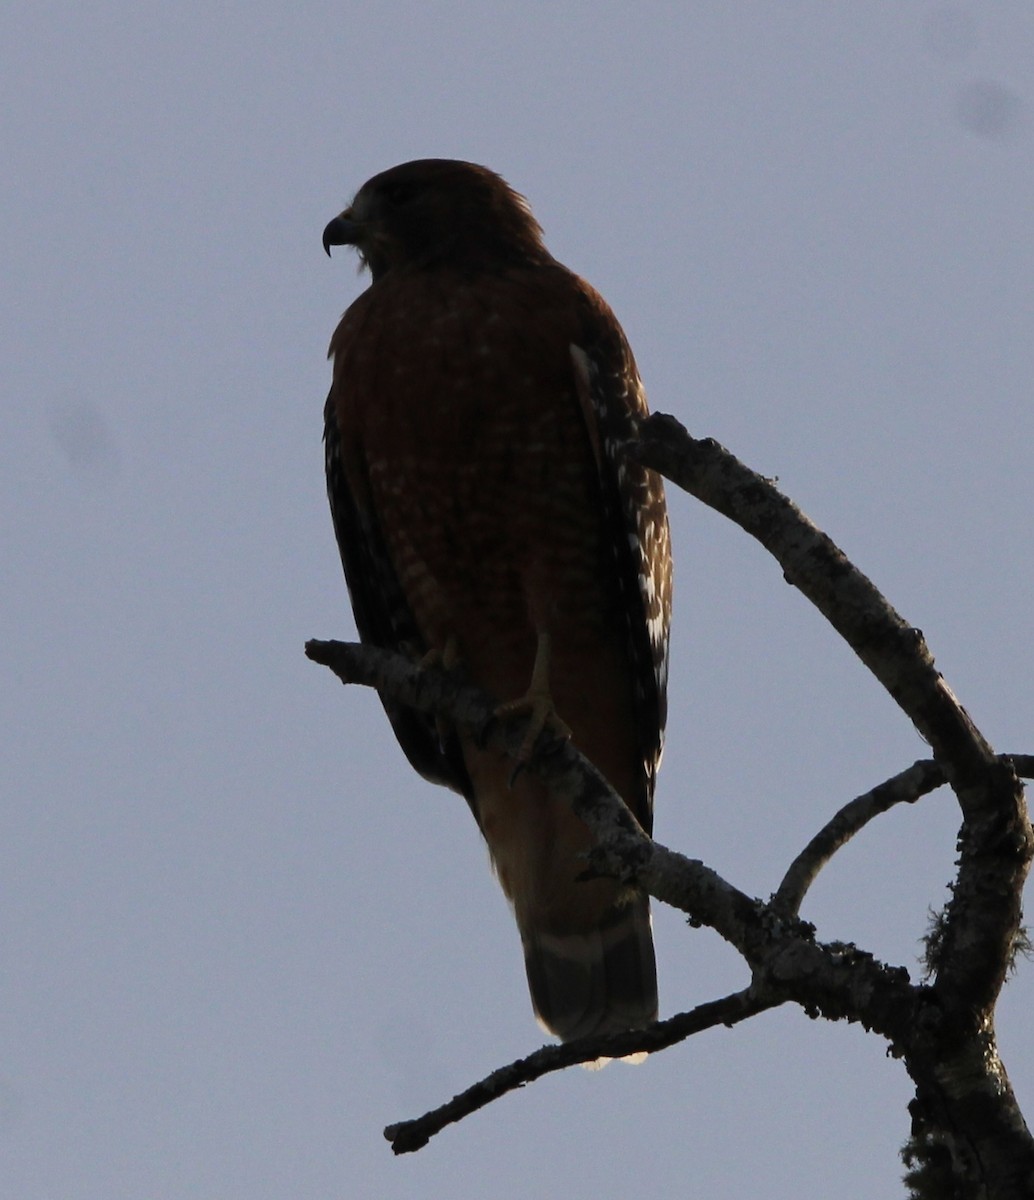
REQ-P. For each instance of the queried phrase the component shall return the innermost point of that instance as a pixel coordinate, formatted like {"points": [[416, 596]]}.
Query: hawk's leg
{"points": [[446, 658], [536, 704]]}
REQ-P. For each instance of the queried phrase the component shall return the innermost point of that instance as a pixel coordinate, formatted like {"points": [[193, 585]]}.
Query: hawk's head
{"points": [[434, 211]]}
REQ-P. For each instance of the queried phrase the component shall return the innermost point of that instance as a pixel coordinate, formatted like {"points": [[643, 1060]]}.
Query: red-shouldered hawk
{"points": [[487, 516]]}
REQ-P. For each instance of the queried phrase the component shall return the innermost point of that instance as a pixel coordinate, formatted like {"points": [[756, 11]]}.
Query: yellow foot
{"points": [[446, 658], [540, 712], [537, 705]]}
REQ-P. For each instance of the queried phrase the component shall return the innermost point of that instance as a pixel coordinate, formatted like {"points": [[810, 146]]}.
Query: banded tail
{"points": [[600, 981]]}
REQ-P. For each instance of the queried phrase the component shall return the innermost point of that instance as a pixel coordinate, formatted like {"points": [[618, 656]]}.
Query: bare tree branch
{"points": [[905, 788], [1022, 764], [407, 1136], [892, 649], [910, 785], [944, 1033], [622, 849], [997, 843], [836, 980]]}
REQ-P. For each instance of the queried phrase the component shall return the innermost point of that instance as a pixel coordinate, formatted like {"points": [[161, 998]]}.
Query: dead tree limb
{"points": [[943, 1032]]}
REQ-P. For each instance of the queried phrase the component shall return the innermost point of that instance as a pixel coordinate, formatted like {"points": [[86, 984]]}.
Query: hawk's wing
{"points": [[635, 515], [384, 619]]}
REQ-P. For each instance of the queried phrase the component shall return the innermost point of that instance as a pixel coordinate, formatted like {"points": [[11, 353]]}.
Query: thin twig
{"points": [[905, 788], [407, 1136]]}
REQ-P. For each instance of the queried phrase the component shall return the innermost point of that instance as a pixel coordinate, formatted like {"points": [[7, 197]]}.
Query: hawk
{"points": [[488, 518]]}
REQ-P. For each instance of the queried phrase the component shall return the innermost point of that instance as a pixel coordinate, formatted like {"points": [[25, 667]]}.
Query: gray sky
{"points": [[239, 935]]}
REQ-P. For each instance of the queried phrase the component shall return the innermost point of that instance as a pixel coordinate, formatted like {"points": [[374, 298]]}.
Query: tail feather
{"points": [[603, 980]]}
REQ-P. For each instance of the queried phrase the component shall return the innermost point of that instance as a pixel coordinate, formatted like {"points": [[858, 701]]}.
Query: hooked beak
{"points": [[344, 230]]}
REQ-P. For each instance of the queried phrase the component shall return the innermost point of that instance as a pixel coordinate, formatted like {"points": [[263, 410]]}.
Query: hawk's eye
{"points": [[399, 193]]}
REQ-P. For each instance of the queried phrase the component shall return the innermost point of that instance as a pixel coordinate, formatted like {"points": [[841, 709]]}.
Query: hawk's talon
{"points": [[541, 720], [537, 705], [447, 657]]}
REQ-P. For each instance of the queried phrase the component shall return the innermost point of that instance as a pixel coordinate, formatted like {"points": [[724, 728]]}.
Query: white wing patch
{"points": [[612, 400]]}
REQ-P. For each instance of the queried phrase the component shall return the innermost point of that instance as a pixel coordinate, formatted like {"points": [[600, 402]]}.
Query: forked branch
{"points": [[944, 1033]]}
